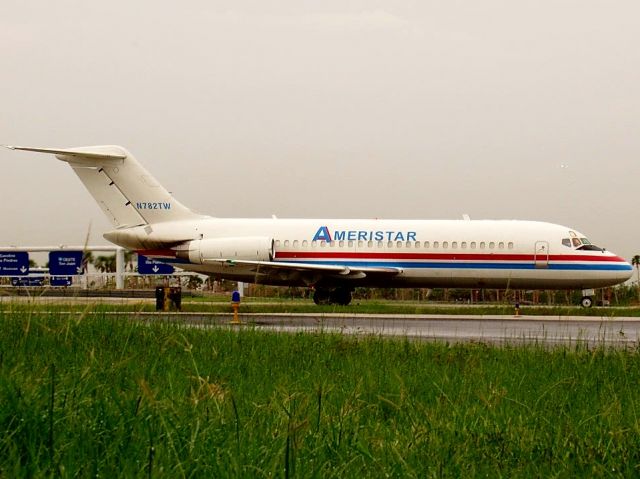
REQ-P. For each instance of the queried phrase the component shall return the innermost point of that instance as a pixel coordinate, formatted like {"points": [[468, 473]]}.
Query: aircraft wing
{"points": [[292, 269]]}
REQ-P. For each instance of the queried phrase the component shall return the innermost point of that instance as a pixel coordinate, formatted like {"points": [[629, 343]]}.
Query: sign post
{"points": [[235, 304], [152, 266], [60, 280], [14, 263], [65, 263], [37, 281]]}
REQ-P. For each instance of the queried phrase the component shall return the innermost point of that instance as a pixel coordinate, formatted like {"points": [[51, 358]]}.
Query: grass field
{"points": [[257, 305], [105, 397]]}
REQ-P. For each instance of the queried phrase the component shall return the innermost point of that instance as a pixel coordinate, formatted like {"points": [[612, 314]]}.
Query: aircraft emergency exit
{"points": [[336, 255]]}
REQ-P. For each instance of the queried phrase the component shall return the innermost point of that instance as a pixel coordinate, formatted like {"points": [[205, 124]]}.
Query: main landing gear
{"points": [[341, 296]]}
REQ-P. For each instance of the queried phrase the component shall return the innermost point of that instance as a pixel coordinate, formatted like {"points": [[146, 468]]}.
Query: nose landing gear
{"points": [[586, 301], [587, 298], [341, 296]]}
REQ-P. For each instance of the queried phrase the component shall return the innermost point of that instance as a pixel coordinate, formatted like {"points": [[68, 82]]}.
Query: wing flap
{"points": [[347, 272]]}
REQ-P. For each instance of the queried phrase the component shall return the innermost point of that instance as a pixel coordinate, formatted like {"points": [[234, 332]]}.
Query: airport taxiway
{"points": [[493, 329], [455, 328]]}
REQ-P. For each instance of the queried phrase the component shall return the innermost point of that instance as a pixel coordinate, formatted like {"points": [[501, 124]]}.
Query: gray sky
{"points": [[390, 109]]}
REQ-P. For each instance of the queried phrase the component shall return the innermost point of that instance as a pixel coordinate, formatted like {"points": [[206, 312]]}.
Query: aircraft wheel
{"points": [[321, 296], [586, 302], [341, 296]]}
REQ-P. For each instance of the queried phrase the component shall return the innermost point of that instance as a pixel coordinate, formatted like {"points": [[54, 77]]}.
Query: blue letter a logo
{"points": [[322, 234]]}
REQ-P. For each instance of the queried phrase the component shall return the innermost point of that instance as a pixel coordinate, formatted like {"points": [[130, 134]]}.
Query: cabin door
{"points": [[541, 255]]}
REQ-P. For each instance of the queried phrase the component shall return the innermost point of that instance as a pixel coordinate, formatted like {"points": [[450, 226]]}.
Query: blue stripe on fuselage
{"points": [[428, 265]]}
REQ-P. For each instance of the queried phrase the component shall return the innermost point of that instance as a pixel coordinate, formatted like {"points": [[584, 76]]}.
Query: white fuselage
{"points": [[330, 253], [429, 253]]}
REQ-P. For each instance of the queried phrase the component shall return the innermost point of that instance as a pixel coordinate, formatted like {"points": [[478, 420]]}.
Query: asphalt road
{"points": [[494, 329], [618, 332]]}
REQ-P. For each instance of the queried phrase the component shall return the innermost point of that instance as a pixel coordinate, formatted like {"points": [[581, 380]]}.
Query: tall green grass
{"points": [[302, 307], [104, 396]]}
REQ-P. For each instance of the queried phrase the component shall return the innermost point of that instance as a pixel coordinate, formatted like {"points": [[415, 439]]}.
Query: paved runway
{"points": [[619, 332], [494, 329]]}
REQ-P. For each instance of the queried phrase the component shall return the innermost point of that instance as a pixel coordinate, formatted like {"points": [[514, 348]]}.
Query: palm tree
{"points": [[87, 259], [105, 264], [635, 261], [128, 260]]}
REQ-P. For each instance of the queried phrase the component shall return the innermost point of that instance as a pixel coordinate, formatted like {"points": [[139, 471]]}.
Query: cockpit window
{"points": [[582, 244]]}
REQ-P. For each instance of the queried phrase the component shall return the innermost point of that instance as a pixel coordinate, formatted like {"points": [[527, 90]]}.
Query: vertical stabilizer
{"points": [[124, 189]]}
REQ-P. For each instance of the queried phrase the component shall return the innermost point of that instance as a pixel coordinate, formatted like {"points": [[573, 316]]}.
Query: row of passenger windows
{"points": [[400, 244]]}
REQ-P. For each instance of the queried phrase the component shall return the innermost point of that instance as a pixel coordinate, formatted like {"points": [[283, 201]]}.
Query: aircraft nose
{"points": [[629, 271], [625, 272]]}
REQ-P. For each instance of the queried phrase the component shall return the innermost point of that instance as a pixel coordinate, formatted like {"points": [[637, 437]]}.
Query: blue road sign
{"points": [[14, 263], [60, 280], [65, 263], [28, 281], [153, 266]]}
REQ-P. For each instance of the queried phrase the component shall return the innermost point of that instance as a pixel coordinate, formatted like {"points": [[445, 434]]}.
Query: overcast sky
{"points": [[389, 109]]}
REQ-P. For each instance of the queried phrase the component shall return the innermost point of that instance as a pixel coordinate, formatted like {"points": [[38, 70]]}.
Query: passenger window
{"points": [[380, 244], [399, 244], [501, 245], [277, 243], [492, 245], [445, 244], [305, 243], [426, 245], [314, 244], [295, 243], [482, 245], [454, 245], [390, 244], [323, 243], [464, 245], [369, 244], [341, 244], [417, 244], [286, 243], [473, 245], [350, 244], [510, 245], [435, 245], [332, 243]]}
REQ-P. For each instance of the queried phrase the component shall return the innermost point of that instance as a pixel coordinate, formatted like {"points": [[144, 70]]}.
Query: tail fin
{"points": [[126, 192]]}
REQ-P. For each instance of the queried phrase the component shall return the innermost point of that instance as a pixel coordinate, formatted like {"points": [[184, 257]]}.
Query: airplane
{"points": [[334, 256]]}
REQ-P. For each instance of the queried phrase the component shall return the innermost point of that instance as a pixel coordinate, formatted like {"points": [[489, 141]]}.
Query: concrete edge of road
{"points": [[359, 316], [406, 317]]}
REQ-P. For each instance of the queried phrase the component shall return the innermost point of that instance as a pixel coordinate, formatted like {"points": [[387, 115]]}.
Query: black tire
{"points": [[341, 296], [321, 296], [586, 301]]}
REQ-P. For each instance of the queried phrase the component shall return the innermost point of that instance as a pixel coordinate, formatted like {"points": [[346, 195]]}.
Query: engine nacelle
{"points": [[249, 248]]}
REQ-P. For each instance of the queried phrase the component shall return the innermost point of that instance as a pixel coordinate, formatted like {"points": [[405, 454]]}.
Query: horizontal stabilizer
{"points": [[76, 152]]}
